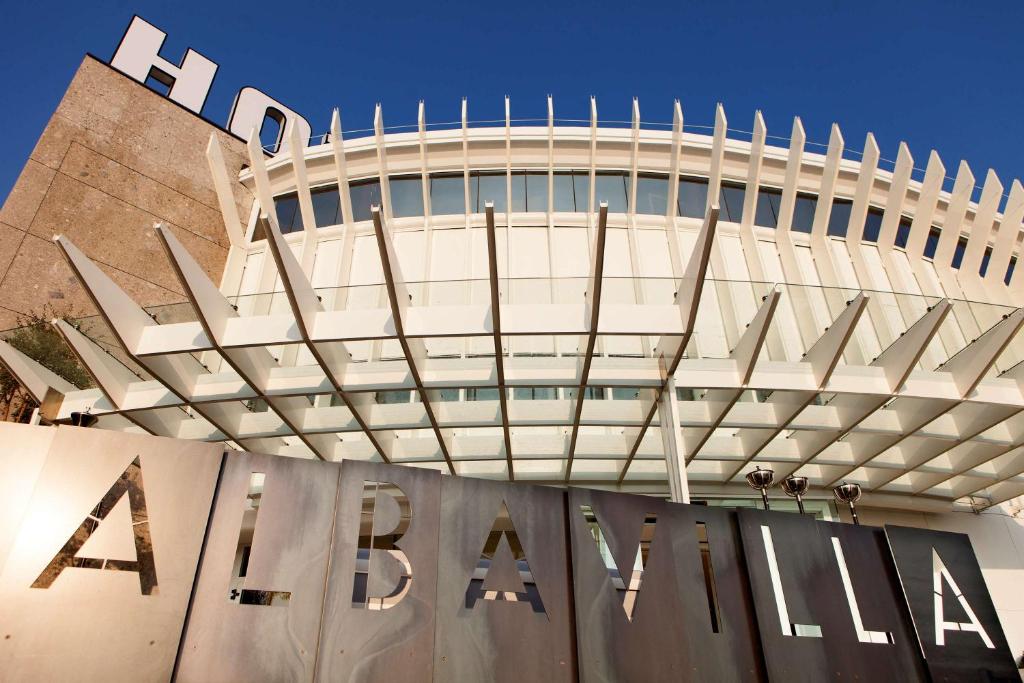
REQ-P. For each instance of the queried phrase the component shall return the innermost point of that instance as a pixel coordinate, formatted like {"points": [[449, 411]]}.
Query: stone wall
{"points": [[114, 159]]}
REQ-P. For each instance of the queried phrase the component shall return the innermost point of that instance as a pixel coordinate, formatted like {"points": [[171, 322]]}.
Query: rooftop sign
{"points": [[189, 82]]}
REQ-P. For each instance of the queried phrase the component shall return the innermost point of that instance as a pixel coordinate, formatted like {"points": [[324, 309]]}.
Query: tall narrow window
{"points": [[365, 195], [839, 217], [612, 187], [767, 213], [406, 196], [803, 213], [288, 216], [958, 253], [326, 206], [932, 243], [651, 194], [536, 193], [872, 225], [903, 232], [984, 261], [447, 194], [730, 203], [693, 197]]}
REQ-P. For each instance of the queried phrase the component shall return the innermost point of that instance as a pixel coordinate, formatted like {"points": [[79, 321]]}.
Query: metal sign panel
{"points": [[956, 622], [256, 611], [378, 621], [825, 613], [660, 593], [504, 609], [21, 459], [97, 583]]}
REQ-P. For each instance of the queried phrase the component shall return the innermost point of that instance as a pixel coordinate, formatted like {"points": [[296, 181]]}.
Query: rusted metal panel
{"points": [[805, 615], [511, 620], [98, 580], [938, 569], [262, 626], [378, 622], [659, 594]]}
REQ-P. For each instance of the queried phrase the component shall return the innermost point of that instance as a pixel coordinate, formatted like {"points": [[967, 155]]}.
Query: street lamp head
{"points": [[847, 493], [759, 479], [795, 487]]}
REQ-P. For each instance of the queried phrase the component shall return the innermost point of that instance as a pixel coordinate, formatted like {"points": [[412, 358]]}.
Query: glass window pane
{"points": [[365, 193], [984, 261], [406, 196], [903, 232], [534, 393], [693, 197], [625, 393], [447, 395], [581, 190], [839, 217], [803, 213], [958, 253], [1009, 270], [482, 394], [326, 206], [611, 188], [492, 189], [872, 225], [536, 193], [393, 396], [519, 191], [564, 200], [731, 202], [651, 195], [287, 208], [447, 195], [932, 243], [767, 213]]}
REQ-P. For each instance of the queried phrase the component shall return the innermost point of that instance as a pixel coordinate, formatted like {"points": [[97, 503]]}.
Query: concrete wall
{"points": [[998, 541], [114, 158]]}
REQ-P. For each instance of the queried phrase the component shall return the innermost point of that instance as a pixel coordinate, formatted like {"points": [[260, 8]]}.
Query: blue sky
{"points": [[938, 75]]}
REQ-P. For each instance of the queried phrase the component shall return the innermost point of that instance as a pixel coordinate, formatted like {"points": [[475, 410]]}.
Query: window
{"points": [[390, 397], [984, 261], [534, 393], [625, 393], [730, 203], [693, 197], [564, 196], [482, 394], [932, 243], [326, 206], [581, 191], [447, 395], [767, 212], [288, 215], [839, 217], [589, 393], [612, 187], [958, 253], [651, 194], [803, 213], [536, 192], [1009, 270], [447, 194], [488, 187], [687, 394], [872, 225], [518, 187], [406, 196], [903, 232], [365, 194]]}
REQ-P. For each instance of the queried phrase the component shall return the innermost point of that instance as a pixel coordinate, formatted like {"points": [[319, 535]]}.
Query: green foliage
{"points": [[37, 339]]}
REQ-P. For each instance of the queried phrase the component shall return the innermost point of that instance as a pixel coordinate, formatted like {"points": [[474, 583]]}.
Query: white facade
{"points": [[836, 342]]}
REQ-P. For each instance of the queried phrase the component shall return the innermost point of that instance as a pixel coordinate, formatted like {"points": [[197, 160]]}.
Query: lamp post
{"points": [[796, 487], [761, 480], [850, 494]]}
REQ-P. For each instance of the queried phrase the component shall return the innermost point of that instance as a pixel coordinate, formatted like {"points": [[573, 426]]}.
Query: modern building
{"points": [[645, 308]]}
